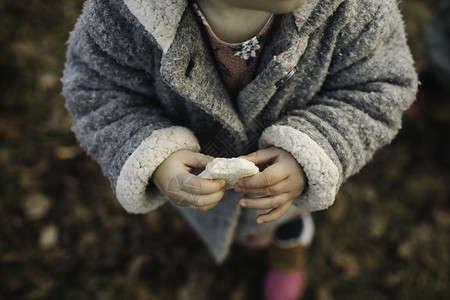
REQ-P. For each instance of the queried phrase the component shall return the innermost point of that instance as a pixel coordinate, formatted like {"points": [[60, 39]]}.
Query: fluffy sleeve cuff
{"points": [[322, 173], [131, 188]]}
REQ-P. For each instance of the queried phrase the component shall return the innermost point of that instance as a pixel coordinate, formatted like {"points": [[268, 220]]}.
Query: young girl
{"points": [[306, 89]]}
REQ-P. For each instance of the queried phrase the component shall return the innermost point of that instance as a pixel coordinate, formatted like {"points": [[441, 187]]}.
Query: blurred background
{"points": [[64, 236]]}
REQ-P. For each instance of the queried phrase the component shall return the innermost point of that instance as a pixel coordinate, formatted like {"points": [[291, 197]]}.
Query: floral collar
{"points": [[247, 50]]}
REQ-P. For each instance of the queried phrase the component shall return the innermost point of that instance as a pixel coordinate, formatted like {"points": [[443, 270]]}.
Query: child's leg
{"points": [[258, 240], [286, 276], [287, 234], [299, 231], [262, 237], [287, 254]]}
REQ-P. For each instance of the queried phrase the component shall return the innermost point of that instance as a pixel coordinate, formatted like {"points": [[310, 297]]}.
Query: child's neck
{"points": [[233, 24]]}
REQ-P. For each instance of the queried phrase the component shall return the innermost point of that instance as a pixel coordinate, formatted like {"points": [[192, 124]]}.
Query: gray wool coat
{"points": [[141, 83]]}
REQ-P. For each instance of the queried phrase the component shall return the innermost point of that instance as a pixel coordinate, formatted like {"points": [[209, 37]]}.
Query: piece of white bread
{"points": [[229, 169]]}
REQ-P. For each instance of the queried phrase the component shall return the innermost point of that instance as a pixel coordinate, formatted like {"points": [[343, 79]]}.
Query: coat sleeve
{"points": [[116, 115], [371, 81]]}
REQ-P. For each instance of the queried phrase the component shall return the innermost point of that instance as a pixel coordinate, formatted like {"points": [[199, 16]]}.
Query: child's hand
{"points": [[279, 184], [173, 179]]}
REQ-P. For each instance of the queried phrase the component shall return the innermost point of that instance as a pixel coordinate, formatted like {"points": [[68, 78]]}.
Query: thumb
{"points": [[262, 156], [198, 160]]}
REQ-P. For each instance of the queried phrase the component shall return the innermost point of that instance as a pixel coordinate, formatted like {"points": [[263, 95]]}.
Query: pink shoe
{"points": [[279, 285], [287, 257]]}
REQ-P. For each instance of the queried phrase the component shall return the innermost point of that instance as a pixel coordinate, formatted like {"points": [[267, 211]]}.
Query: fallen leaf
{"points": [[348, 263], [239, 292], [378, 225], [442, 218], [48, 237], [48, 80], [336, 213], [87, 242], [153, 220], [68, 152], [11, 129], [324, 293], [81, 214], [134, 268], [36, 206]]}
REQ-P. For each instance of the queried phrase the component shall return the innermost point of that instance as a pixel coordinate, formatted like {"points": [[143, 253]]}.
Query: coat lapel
{"points": [[278, 63], [188, 68], [160, 18]]}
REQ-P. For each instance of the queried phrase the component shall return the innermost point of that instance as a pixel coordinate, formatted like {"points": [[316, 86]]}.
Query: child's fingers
{"points": [[199, 186], [263, 156], [270, 176], [206, 202], [197, 202], [197, 160], [209, 186], [271, 190], [186, 189], [274, 214], [263, 203]]}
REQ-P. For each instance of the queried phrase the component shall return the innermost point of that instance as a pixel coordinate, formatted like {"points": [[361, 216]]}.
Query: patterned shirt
{"points": [[237, 62]]}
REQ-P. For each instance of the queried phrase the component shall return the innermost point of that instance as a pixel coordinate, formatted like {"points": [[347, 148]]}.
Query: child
{"points": [[308, 89]]}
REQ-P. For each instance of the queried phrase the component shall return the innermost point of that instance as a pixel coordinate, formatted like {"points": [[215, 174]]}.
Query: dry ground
{"points": [[63, 236]]}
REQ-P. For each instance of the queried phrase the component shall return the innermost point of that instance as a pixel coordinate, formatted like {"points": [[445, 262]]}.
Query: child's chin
{"points": [[271, 6], [286, 6]]}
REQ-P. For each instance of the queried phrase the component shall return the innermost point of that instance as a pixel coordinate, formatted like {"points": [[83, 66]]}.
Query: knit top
{"points": [[237, 62]]}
